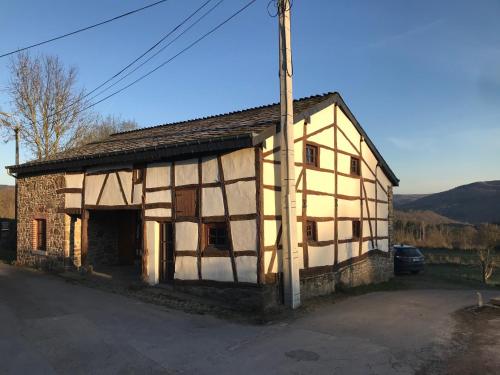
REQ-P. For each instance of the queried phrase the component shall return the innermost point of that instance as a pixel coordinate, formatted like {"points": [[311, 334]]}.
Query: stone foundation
{"points": [[374, 267]]}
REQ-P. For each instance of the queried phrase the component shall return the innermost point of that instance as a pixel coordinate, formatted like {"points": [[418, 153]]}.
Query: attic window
{"points": [[312, 155], [138, 175], [216, 236], [355, 166], [311, 231]]}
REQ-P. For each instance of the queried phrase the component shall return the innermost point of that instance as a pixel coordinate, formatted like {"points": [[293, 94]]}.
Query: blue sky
{"points": [[423, 78]]}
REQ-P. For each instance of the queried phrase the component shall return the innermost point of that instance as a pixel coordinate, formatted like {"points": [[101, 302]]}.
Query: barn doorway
{"points": [[167, 259], [114, 243]]}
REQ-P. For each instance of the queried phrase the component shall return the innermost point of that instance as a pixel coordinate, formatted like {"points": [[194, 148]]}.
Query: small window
{"points": [[312, 155], [40, 234], [186, 202], [138, 175], [217, 236], [355, 166], [356, 229], [311, 231]]}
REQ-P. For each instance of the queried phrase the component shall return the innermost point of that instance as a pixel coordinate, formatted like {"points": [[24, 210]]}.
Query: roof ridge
{"points": [[220, 114]]}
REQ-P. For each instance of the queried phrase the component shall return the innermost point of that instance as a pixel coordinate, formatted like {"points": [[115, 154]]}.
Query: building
{"points": [[198, 202]]}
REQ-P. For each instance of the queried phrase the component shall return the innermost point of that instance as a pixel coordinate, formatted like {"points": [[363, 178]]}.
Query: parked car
{"points": [[408, 259]]}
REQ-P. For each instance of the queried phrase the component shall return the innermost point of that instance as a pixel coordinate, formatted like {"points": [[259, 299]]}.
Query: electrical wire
{"points": [[82, 29]]}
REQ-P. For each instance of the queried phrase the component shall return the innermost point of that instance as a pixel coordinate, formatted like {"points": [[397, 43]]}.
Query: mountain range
{"points": [[474, 203]]}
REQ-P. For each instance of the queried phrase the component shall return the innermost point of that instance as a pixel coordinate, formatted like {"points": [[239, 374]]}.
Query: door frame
{"points": [[167, 250]]}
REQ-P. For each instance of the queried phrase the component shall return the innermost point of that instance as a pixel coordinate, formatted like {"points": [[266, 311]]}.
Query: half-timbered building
{"points": [[198, 202]]}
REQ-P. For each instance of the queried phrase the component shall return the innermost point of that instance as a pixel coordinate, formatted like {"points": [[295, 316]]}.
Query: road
{"points": [[49, 326]]}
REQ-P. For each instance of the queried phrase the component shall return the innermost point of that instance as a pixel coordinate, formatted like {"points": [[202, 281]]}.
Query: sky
{"points": [[422, 78]]}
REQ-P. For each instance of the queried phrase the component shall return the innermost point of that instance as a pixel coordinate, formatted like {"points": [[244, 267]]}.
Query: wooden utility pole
{"points": [[290, 257]]}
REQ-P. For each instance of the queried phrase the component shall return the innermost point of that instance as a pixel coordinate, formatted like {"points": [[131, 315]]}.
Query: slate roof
{"points": [[224, 131]]}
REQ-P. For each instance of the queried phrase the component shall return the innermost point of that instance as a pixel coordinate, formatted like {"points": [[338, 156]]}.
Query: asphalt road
{"points": [[49, 326]]}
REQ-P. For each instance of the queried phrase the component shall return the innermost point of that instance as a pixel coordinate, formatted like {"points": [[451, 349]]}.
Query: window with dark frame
{"points": [[40, 235], [355, 166], [137, 175], [186, 202], [312, 155], [216, 236], [311, 231], [356, 229]]}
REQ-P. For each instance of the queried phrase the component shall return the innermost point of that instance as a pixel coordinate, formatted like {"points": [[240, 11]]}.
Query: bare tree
{"points": [[103, 127], [487, 240], [46, 105]]}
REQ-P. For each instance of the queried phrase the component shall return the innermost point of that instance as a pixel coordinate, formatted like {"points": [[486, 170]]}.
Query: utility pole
{"points": [[288, 216]]}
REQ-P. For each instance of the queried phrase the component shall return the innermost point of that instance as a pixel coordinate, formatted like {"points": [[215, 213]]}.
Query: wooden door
{"points": [[167, 259], [127, 224]]}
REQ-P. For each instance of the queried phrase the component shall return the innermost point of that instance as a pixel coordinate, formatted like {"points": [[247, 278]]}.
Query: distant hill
{"points": [[428, 217], [7, 202], [474, 203]]}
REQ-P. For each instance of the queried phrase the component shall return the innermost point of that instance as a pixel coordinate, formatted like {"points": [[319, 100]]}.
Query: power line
{"points": [[67, 109], [160, 50], [169, 60], [82, 29], [173, 57]]}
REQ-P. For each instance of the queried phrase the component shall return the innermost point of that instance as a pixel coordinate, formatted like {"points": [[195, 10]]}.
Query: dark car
{"points": [[408, 259]]}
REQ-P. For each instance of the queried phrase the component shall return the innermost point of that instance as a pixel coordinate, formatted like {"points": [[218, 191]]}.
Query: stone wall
{"points": [[38, 198], [374, 267], [103, 238]]}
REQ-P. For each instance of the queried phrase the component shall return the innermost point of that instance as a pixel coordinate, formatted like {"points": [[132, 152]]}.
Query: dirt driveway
{"points": [[50, 326]]}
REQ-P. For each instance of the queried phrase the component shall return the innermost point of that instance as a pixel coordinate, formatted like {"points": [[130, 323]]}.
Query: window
{"points": [[40, 234], [356, 229], [216, 236], [355, 166], [138, 175], [311, 231], [186, 202], [312, 155]]}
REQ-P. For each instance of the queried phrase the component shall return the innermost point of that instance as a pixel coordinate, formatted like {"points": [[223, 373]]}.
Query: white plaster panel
{"points": [[267, 261], [93, 184], [239, 164], [349, 208], [365, 247], [348, 186], [371, 208], [244, 234], [325, 138], [382, 229], [345, 229], [321, 119], [320, 181], [271, 228], [370, 190], [348, 250], [158, 175], [211, 202], [344, 145], [383, 245], [241, 197], [346, 125], [74, 180], [153, 246], [366, 228], [111, 195], [344, 163], [383, 179], [299, 231], [272, 204], [126, 180], [321, 255], [162, 196], [326, 230], [158, 212], [216, 268], [137, 198], [369, 157], [320, 205], [72, 200], [247, 269], [186, 236], [186, 268], [271, 174], [186, 172], [327, 159], [382, 210], [300, 260], [209, 170], [298, 150]]}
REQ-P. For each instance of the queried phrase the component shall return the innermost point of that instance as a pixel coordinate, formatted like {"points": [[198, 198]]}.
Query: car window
{"points": [[409, 252]]}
